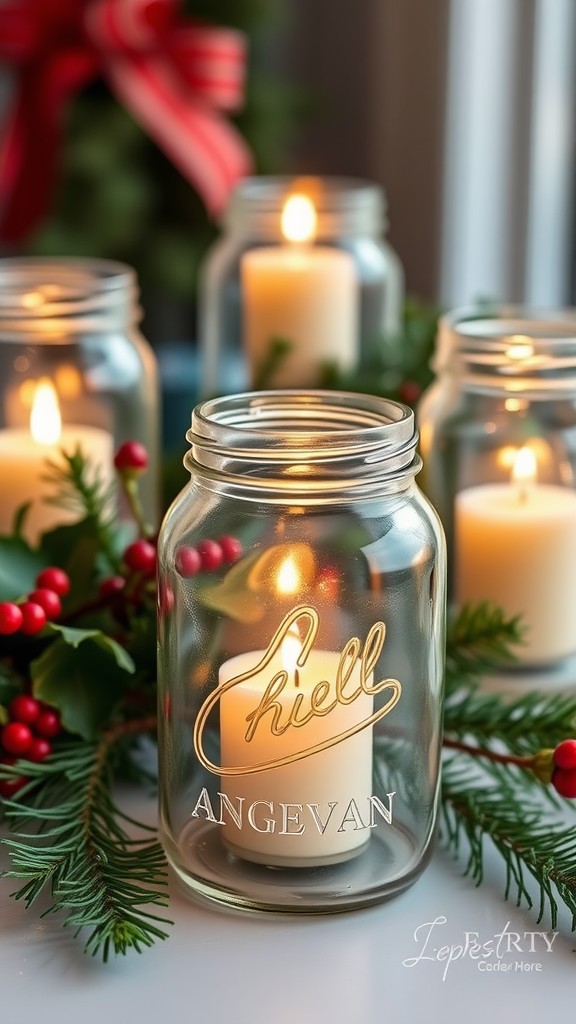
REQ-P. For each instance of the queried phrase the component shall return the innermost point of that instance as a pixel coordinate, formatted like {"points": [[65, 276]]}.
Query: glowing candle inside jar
{"points": [[516, 546], [304, 294], [23, 463], [307, 811]]}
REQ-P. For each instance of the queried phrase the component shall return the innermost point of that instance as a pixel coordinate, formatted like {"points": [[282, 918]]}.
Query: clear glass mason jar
{"points": [[350, 217], [300, 677], [497, 432], [70, 347]]}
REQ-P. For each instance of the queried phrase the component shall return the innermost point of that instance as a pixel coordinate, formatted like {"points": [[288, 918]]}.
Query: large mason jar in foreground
{"points": [[301, 642]]}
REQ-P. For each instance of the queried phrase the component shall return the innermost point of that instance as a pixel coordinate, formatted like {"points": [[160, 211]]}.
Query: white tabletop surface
{"points": [[363, 967]]}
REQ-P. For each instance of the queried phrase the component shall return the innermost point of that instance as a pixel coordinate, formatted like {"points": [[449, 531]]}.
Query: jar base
{"points": [[273, 861], [390, 862]]}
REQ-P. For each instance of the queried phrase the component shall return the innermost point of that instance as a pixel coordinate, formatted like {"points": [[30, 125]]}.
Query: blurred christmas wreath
{"points": [[127, 123]]}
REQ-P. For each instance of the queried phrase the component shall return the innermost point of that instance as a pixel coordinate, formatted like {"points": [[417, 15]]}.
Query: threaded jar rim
{"points": [[301, 441]]}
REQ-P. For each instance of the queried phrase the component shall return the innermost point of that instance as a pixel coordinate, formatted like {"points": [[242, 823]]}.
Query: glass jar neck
{"points": [[513, 351], [304, 446], [344, 206], [48, 298]]}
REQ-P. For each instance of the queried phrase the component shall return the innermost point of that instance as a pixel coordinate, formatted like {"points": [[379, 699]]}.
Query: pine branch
{"points": [[525, 725], [79, 487], [70, 840], [480, 638], [527, 837]]}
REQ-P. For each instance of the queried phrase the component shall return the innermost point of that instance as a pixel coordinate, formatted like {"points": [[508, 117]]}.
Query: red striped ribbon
{"points": [[174, 76]]}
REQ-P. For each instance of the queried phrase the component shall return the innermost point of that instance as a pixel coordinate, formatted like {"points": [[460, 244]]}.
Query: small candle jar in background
{"points": [[74, 372], [301, 645], [504, 399], [350, 219]]}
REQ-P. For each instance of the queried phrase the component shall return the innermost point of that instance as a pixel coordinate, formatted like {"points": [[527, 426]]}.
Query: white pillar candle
{"points": [[515, 545], [23, 464], [304, 294], [314, 809]]}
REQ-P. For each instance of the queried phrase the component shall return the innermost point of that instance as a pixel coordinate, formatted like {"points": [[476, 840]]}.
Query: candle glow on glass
{"points": [[288, 581]]}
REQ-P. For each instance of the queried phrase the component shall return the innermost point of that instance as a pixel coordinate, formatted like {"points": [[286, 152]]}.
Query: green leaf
{"points": [[19, 567], [75, 637], [20, 517], [74, 548], [83, 674]]}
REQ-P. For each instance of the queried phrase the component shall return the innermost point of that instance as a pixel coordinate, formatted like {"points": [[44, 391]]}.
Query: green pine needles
{"points": [[71, 841], [490, 801]]}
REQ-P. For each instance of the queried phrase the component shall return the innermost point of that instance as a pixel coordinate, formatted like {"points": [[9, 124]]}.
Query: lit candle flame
{"points": [[45, 419], [524, 471], [288, 581], [299, 219]]}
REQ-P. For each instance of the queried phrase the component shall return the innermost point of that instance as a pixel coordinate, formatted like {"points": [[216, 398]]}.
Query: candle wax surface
{"points": [[340, 773], [516, 547]]}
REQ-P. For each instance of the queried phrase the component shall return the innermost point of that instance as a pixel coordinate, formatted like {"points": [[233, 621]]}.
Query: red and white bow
{"points": [[175, 76]]}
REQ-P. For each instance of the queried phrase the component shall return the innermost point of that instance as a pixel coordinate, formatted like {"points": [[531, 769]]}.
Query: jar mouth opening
{"points": [[343, 205], [297, 438], [69, 293], [513, 348]]}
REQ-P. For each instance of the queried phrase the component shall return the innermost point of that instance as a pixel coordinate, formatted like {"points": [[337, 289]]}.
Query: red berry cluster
{"points": [[207, 556], [564, 768], [30, 616], [28, 733]]}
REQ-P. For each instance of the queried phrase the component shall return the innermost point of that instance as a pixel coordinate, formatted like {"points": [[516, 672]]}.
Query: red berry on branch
{"points": [[38, 749], [24, 709], [48, 601], [564, 782], [112, 586], [141, 557], [231, 548], [565, 755], [16, 738], [131, 455], [33, 618], [187, 561], [54, 579], [10, 618], [211, 556], [48, 724]]}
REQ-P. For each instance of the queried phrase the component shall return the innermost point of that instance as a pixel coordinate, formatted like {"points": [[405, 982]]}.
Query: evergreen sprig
{"points": [[80, 488], [480, 639], [529, 839], [69, 840]]}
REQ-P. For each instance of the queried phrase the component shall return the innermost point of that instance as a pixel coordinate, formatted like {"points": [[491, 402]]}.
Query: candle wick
{"points": [[296, 678], [523, 494]]}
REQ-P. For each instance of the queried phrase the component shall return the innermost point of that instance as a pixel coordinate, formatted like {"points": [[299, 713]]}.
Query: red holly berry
{"points": [[132, 456], [48, 600], [33, 618], [231, 548], [9, 787], [409, 392], [187, 561], [38, 749], [565, 755], [141, 557], [48, 724], [54, 579], [24, 708], [564, 782], [211, 556], [112, 586], [16, 738], [10, 618]]}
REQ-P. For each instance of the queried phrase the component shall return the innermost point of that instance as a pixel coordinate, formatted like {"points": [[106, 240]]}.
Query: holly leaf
{"points": [[19, 567], [232, 595], [83, 674]]}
